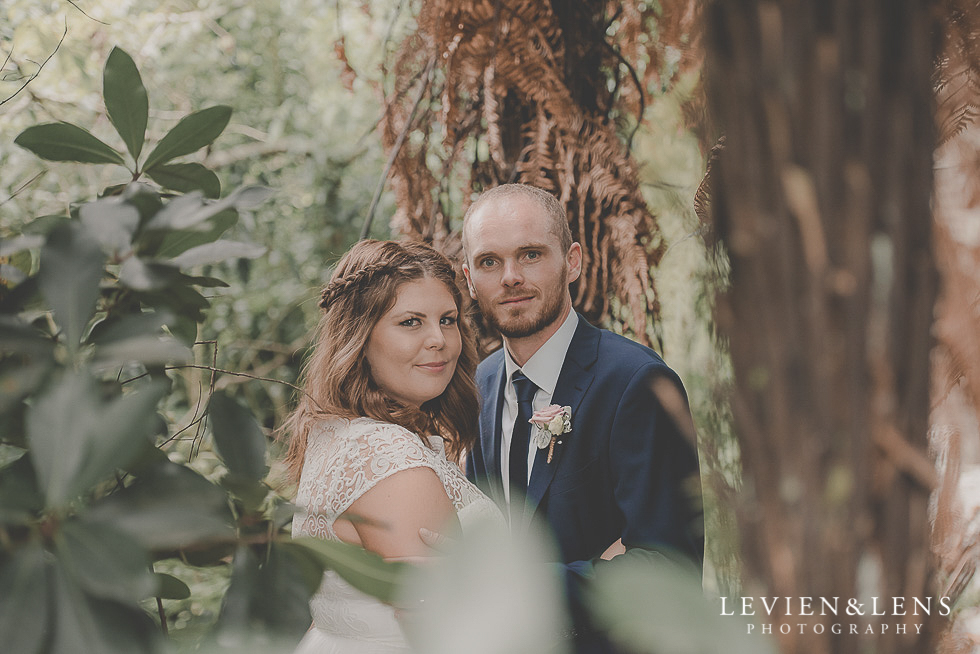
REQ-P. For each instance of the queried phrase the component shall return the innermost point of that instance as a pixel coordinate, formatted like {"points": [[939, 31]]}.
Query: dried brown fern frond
{"points": [[957, 73], [536, 92]]}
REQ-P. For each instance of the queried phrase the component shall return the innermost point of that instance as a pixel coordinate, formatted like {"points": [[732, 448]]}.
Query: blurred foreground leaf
{"points": [[238, 438], [76, 440], [362, 569], [169, 506], [71, 268], [106, 562], [650, 604], [24, 600], [268, 597], [87, 624]]}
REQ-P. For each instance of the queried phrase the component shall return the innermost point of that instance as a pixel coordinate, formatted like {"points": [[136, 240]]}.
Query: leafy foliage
{"points": [[93, 493]]}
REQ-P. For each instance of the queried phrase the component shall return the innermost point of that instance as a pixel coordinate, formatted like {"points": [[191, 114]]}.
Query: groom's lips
{"points": [[517, 300]]}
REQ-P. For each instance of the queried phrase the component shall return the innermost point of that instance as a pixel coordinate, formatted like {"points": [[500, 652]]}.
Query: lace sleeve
{"points": [[344, 461]]}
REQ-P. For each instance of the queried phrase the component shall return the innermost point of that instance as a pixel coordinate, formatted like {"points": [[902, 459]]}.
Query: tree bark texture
{"points": [[822, 200]]}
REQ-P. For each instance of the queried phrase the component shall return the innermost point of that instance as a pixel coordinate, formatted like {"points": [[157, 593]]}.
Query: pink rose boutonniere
{"points": [[551, 422]]}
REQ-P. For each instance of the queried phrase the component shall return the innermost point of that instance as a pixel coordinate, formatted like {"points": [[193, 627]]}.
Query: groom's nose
{"points": [[512, 275]]}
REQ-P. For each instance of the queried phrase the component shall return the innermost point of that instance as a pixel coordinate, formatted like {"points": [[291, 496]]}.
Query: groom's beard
{"points": [[523, 325]]}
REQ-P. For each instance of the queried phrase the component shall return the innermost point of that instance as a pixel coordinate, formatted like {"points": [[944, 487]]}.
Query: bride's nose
{"points": [[434, 338]]}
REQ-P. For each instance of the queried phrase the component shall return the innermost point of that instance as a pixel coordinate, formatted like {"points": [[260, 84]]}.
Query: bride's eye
{"points": [[449, 320], [410, 322]]}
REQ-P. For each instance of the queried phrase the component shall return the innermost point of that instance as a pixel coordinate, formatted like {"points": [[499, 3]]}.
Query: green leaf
{"points": [[184, 329], [189, 212], [144, 197], [220, 250], [170, 587], [182, 300], [112, 222], [71, 269], [24, 600], [269, 598], [17, 380], [148, 350], [146, 323], [29, 358], [141, 275], [648, 602], [125, 99], [238, 439], [44, 225], [249, 491], [66, 142], [186, 177], [77, 440], [362, 569], [10, 454], [168, 506], [18, 337], [20, 498], [192, 133], [106, 562], [11, 246], [87, 624], [184, 212], [176, 242], [205, 282]]}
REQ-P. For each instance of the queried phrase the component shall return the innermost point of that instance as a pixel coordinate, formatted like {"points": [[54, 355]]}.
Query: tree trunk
{"points": [[822, 200]]}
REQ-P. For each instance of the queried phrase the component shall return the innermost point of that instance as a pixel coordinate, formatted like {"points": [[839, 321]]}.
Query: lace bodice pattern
{"points": [[344, 460]]}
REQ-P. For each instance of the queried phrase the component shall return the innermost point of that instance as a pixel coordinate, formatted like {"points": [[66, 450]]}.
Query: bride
{"points": [[390, 407]]}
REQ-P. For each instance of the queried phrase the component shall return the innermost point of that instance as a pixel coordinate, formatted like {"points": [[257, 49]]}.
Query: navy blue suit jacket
{"points": [[626, 470]]}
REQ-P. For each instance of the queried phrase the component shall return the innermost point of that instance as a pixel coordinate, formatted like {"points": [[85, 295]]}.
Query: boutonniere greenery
{"points": [[551, 422]]}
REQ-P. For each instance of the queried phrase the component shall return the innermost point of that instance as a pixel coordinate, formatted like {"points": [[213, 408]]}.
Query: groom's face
{"points": [[515, 267]]}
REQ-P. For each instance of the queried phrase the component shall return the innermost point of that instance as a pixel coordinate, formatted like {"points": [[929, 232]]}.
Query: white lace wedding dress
{"points": [[345, 459]]}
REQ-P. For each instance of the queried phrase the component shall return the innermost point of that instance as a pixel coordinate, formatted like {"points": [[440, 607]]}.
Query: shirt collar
{"points": [[545, 365]]}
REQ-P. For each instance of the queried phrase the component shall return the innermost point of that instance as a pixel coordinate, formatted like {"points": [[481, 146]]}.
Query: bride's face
{"points": [[412, 351]]}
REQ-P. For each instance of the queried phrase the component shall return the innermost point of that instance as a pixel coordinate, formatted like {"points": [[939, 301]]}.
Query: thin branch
{"points": [[6, 59], [199, 434], [639, 88], [396, 148], [23, 186], [217, 370], [84, 14], [38, 71]]}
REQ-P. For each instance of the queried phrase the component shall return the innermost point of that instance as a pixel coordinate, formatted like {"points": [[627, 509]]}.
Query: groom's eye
{"points": [[486, 263]]}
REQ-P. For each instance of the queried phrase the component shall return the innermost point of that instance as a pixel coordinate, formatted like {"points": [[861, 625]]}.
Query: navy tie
{"points": [[520, 439]]}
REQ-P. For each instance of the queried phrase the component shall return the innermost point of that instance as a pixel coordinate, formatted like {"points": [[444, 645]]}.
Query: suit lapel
{"points": [[573, 383], [490, 431]]}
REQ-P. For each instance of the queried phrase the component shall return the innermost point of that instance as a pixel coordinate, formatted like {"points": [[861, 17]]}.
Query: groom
{"points": [[628, 469]]}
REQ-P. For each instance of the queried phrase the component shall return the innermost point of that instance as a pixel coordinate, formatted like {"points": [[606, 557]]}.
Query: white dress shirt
{"points": [[543, 369]]}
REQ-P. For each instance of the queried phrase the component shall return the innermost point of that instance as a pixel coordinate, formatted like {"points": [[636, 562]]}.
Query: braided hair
{"points": [[336, 377]]}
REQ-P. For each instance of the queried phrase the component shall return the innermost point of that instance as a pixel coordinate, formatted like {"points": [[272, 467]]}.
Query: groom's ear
{"points": [[469, 283]]}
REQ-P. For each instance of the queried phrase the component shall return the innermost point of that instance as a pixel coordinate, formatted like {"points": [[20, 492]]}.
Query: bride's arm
{"points": [[388, 517]]}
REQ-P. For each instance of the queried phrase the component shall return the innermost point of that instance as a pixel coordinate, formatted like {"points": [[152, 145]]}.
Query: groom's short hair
{"points": [[547, 201]]}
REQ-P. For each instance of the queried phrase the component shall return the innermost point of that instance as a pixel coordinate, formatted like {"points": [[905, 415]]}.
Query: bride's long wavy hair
{"points": [[337, 379]]}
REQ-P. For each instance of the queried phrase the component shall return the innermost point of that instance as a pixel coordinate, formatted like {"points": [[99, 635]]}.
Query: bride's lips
{"points": [[435, 366]]}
